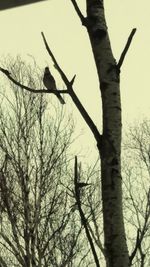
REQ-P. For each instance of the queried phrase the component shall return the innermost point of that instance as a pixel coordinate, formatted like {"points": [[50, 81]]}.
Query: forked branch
{"points": [[69, 85], [78, 11]]}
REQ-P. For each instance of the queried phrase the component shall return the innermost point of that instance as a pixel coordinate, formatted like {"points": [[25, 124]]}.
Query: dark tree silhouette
{"points": [[109, 141]]}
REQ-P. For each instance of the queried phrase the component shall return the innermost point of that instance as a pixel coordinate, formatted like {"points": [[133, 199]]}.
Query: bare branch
{"points": [[7, 201], [8, 74], [62, 74], [86, 117], [82, 216], [142, 256], [74, 97], [122, 57], [72, 81], [15, 250], [78, 11], [139, 239], [136, 248]]}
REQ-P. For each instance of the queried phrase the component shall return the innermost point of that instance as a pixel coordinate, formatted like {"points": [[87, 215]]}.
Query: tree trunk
{"points": [[110, 147]]}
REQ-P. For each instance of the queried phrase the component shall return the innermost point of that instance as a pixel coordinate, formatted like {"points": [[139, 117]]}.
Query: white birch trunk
{"points": [[110, 147]]}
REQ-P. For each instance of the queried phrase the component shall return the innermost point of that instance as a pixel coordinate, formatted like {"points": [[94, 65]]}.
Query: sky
{"points": [[21, 34]]}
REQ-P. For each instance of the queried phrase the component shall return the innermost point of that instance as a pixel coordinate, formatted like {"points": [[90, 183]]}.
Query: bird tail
{"points": [[62, 101]]}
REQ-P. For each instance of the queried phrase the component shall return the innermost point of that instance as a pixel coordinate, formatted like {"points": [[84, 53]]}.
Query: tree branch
{"points": [[7, 200], [122, 57], [139, 239], [79, 13], [82, 216], [86, 117], [136, 248], [69, 85], [15, 250], [62, 74], [8, 74], [142, 256]]}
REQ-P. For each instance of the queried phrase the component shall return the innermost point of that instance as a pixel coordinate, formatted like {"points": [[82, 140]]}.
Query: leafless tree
{"points": [[109, 141], [136, 177], [39, 222]]}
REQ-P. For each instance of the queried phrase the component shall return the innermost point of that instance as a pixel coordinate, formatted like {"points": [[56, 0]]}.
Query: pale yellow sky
{"points": [[20, 33]]}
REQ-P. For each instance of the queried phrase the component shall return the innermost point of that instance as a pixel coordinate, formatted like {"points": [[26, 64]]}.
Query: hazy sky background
{"points": [[68, 39]]}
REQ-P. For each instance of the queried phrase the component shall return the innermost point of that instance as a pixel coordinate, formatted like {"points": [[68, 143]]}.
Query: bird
{"points": [[50, 84]]}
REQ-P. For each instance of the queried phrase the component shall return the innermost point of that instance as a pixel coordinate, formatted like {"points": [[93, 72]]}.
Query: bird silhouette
{"points": [[50, 84]]}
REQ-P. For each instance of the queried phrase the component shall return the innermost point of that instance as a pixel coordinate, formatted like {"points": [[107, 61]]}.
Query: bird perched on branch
{"points": [[50, 84]]}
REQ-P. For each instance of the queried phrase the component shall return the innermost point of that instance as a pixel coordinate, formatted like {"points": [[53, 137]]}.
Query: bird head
{"points": [[47, 70]]}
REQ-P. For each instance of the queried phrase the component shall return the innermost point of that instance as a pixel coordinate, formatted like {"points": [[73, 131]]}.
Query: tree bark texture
{"points": [[110, 145]]}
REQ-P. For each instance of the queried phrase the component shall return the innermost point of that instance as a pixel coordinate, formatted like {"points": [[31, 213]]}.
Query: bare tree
{"points": [[39, 225], [136, 174], [109, 141]]}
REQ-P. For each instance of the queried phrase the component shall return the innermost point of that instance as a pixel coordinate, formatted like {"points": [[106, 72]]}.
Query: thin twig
{"points": [[122, 57], [78, 11], [72, 81]]}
